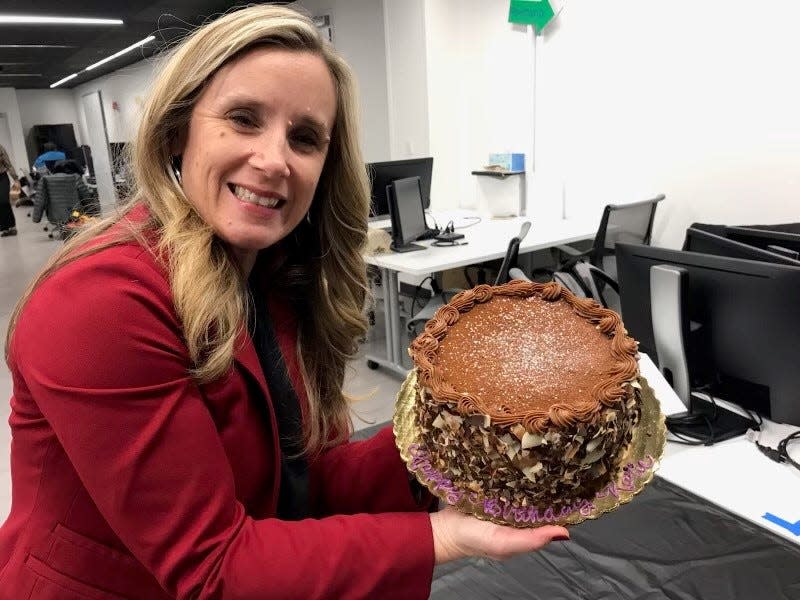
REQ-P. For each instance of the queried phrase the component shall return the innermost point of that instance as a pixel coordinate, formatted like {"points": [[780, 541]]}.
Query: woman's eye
{"points": [[306, 139], [242, 119]]}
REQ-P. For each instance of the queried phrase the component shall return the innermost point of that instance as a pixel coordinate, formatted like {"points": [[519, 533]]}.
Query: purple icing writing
{"points": [[420, 462], [631, 474]]}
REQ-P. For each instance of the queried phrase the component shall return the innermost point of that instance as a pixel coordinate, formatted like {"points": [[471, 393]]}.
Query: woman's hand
{"points": [[457, 535]]}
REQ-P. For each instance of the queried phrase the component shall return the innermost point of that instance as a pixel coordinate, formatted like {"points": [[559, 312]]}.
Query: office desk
{"points": [[696, 531], [486, 240], [732, 474]]}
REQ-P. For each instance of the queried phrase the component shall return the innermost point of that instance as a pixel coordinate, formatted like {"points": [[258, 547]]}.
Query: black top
{"points": [[293, 502]]}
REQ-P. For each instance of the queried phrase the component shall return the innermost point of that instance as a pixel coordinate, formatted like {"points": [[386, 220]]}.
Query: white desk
{"points": [[732, 474], [486, 240]]}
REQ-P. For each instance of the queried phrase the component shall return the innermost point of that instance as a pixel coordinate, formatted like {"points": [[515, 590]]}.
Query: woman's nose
{"points": [[270, 154]]}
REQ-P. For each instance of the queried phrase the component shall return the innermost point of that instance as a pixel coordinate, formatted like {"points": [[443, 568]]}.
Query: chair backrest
{"points": [[512, 254], [62, 192], [631, 223]]}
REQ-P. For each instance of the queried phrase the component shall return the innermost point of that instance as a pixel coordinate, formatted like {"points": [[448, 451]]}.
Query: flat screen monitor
{"points": [[746, 324], [787, 227], [76, 154], [381, 174], [762, 238], [407, 214], [708, 243]]}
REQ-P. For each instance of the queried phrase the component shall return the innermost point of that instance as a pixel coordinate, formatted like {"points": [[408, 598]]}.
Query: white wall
{"points": [[358, 36], [128, 87], [480, 92], [10, 106], [697, 100], [632, 98], [407, 79], [48, 107]]}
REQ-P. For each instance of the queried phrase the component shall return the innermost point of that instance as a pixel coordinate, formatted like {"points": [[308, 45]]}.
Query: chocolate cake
{"points": [[526, 394]]}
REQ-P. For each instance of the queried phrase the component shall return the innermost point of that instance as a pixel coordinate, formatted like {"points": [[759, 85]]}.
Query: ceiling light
{"points": [[60, 81], [34, 46], [121, 52], [20, 74], [36, 20]]}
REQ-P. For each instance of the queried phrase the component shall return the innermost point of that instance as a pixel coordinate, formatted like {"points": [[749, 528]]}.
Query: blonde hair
{"points": [[323, 266]]}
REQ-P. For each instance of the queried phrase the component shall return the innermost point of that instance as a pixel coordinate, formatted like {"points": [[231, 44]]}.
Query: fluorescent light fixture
{"points": [[38, 20], [20, 74], [34, 46], [146, 40], [60, 81]]}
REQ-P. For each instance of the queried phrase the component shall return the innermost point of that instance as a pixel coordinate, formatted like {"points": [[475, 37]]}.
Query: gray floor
{"points": [[20, 259]]}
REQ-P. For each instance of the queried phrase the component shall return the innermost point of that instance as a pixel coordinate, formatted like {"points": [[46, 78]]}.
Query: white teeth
{"points": [[248, 196]]}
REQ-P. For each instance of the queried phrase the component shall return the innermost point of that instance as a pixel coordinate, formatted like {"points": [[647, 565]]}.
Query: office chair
{"points": [[56, 196], [512, 255], [441, 297], [438, 298], [589, 282], [620, 223]]}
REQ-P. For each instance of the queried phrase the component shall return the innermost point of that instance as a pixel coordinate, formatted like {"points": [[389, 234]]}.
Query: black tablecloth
{"points": [[666, 543]]}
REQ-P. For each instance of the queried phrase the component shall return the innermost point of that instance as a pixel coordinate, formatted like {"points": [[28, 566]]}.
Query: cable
{"points": [[475, 220], [784, 453], [679, 439], [450, 225], [684, 426], [427, 213], [779, 454], [416, 293]]}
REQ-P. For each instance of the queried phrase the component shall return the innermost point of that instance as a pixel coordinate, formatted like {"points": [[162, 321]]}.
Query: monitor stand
{"points": [[704, 421], [407, 248], [709, 422]]}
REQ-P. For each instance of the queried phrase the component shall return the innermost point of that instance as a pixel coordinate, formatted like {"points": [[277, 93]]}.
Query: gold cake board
{"points": [[638, 465]]}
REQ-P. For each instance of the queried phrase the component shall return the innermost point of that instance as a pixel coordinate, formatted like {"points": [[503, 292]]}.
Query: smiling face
{"points": [[256, 144]]}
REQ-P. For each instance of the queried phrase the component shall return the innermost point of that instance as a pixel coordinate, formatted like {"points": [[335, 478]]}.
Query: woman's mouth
{"points": [[249, 196]]}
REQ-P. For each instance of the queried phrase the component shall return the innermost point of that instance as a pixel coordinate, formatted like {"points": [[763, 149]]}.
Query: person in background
{"points": [[51, 153], [8, 224], [179, 428], [62, 191]]}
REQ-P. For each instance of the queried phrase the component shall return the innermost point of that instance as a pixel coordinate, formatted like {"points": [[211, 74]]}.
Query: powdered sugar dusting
{"points": [[525, 353]]}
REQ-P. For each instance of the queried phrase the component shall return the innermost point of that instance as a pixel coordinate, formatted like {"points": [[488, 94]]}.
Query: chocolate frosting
{"points": [[525, 357]]}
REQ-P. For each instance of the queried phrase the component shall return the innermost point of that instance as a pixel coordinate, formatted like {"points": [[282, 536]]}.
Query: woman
{"points": [[8, 224], [161, 446]]}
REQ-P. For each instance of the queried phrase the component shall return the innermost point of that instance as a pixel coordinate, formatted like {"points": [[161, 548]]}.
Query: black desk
{"points": [[667, 543]]}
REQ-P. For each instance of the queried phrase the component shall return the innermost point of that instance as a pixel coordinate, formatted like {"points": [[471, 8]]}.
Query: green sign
{"points": [[531, 12]]}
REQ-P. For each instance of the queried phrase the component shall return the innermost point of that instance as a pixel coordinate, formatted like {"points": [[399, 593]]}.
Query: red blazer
{"points": [[131, 481]]}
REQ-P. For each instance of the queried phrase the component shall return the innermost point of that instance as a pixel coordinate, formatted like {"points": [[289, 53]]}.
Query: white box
{"points": [[501, 196]]}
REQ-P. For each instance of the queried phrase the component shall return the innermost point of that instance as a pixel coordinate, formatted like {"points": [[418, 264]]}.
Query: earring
{"points": [[175, 165], [308, 217]]}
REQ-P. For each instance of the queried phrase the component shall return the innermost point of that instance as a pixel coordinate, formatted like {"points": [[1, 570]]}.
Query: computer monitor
{"points": [[76, 154], [381, 174], [407, 214], [761, 238], [746, 324], [705, 242]]}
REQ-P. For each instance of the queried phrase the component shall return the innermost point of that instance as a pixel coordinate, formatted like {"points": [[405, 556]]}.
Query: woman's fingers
{"points": [[505, 542], [457, 535]]}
